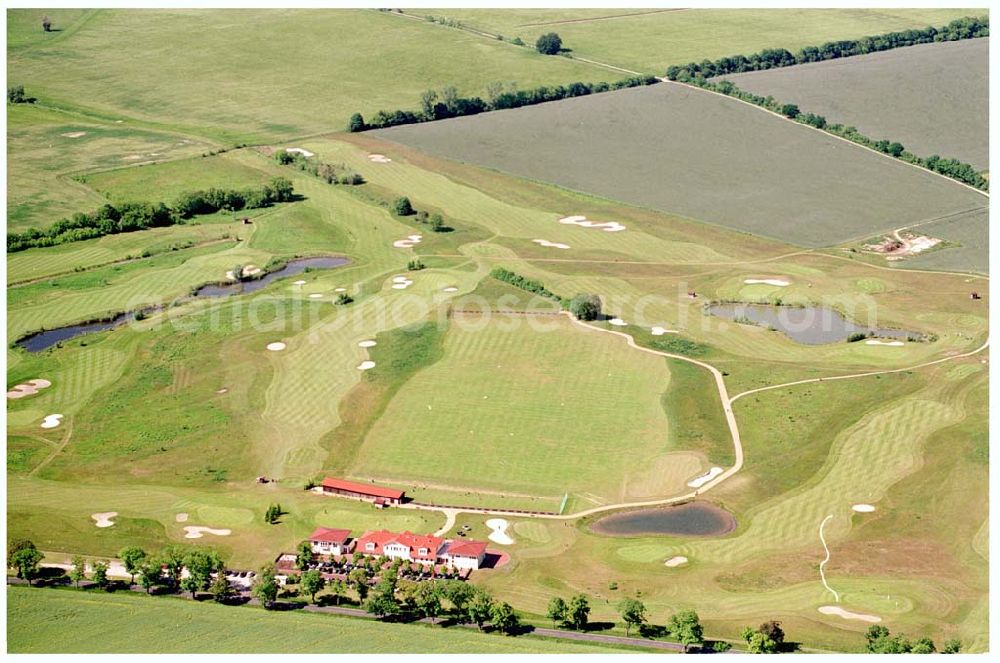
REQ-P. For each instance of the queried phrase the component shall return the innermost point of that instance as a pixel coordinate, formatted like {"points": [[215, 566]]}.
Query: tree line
{"points": [[526, 284], [445, 103], [328, 172], [771, 58], [132, 216], [953, 168]]}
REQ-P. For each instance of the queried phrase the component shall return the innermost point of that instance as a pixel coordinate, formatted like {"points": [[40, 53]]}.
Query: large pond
{"points": [[46, 339], [811, 325], [690, 519]]}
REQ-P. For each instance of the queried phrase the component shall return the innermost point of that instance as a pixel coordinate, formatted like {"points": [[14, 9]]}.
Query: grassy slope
{"points": [[50, 621], [308, 62], [651, 42]]}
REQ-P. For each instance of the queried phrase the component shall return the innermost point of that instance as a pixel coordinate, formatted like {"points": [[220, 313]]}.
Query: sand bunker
{"points": [[367, 344], [104, 519], [316, 295], [676, 561], [781, 283], [379, 158], [660, 331], [196, 532], [299, 282], [181, 517], [877, 342], [846, 614], [28, 388], [74, 134], [409, 242], [249, 270], [863, 508], [340, 289], [51, 421], [277, 346], [617, 322], [365, 365], [705, 478], [551, 245], [499, 533], [607, 226], [401, 282], [451, 288], [299, 150]]}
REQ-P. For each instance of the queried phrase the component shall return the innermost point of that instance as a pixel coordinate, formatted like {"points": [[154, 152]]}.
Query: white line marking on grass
{"points": [[822, 575]]}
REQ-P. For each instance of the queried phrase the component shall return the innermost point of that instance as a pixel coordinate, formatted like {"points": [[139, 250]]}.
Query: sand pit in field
{"points": [[499, 531], [450, 288], [401, 282], [196, 531], [863, 508], [221, 391], [607, 226], [366, 365], [299, 150], [51, 420], [299, 282], [277, 346], [316, 295], [181, 517], [847, 614], [249, 270], [379, 158], [340, 289], [781, 283], [104, 519], [28, 388], [894, 344], [552, 245], [617, 322], [74, 134], [676, 561], [660, 331], [409, 242], [698, 482], [367, 344]]}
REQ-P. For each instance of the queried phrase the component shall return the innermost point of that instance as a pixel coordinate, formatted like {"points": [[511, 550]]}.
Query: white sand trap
{"points": [[28, 388], [894, 344], [660, 331], [131, 157], [51, 421], [221, 391], [181, 517], [277, 346], [676, 561], [365, 365], [74, 134], [367, 344], [196, 532], [552, 245], [249, 270], [340, 289], [299, 150], [408, 243], [617, 322], [316, 295], [379, 158], [401, 283], [698, 482], [104, 519], [863, 508], [451, 288], [399, 279], [781, 283], [499, 533], [847, 614], [299, 282], [607, 226]]}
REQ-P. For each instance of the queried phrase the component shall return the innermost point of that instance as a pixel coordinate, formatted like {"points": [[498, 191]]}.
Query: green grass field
{"points": [[50, 621], [180, 412]]}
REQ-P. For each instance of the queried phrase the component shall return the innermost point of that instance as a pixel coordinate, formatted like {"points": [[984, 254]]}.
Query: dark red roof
{"points": [[467, 548], [362, 488], [329, 535]]}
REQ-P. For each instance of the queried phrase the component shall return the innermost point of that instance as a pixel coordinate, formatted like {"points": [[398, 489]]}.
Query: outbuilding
{"points": [[362, 491]]}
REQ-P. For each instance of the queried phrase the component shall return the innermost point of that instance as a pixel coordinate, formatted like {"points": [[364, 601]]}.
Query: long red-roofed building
{"points": [[423, 549], [362, 491]]}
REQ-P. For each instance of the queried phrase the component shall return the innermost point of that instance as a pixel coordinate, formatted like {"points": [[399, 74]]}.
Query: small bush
{"points": [[402, 207]]}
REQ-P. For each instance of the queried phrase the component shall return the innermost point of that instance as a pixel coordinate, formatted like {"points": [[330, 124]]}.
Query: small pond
{"points": [[45, 339], [690, 519], [811, 325]]}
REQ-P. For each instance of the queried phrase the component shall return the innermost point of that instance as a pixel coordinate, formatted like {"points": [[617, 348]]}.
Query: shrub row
{"points": [[953, 168], [329, 172], [529, 285], [770, 58], [129, 217], [446, 103]]}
